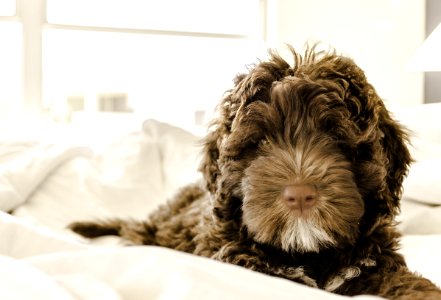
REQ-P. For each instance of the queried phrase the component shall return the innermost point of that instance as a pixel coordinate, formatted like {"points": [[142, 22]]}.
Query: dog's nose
{"points": [[300, 197]]}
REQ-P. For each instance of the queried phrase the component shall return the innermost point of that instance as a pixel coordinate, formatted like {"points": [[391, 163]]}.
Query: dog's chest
{"points": [[323, 271], [332, 280]]}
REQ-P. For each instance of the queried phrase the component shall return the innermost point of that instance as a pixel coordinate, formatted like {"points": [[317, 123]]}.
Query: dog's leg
{"points": [[400, 285], [138, 233], [405, 285], [96, 229]]}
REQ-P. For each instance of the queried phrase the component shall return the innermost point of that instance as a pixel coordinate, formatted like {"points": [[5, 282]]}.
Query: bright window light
{"points": [[164, 76], [222, 16], [7, 8], [10, 70]]}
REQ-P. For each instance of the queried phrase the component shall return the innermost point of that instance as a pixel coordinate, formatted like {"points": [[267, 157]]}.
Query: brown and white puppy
{"points": [[303, 173]]}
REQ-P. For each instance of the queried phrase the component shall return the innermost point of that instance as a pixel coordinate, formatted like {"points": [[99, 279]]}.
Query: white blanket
{"points": [[49, 186], [36, 264], [26, 165]]}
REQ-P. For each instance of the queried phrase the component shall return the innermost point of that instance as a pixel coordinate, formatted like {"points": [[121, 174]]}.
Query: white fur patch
{"points": [[304, 235], [345, 274], [368, 262]]}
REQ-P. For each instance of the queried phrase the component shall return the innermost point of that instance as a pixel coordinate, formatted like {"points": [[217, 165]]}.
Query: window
{"points": [[223, 17], [10, 60], [165, 77], [7, 8], [168, 59]]}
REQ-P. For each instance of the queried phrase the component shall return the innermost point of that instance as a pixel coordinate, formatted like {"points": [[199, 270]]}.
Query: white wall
{"points": [[380, 35]]}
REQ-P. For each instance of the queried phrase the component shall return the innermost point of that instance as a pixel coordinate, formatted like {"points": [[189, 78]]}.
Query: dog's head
{"points": [[304, 157]]}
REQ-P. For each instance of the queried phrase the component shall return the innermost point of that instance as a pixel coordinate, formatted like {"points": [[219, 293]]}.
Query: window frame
{"points": [[32, 15]]}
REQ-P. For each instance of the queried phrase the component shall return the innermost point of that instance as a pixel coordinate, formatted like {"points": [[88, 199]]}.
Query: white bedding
{"points": [[48, 185]]}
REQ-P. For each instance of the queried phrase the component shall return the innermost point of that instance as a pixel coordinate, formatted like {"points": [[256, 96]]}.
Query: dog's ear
{"points": [[380, 136], [209, 164], [226, 140], [220, 130], [397, 154], [230, 134]]}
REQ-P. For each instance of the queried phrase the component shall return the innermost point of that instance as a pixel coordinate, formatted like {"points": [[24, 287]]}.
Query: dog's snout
{"points": [[300, 197]]}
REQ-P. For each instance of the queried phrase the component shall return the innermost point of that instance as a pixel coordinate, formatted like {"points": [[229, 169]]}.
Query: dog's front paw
{"points": [[305, 279], [339, 279], [92, 229], [297, 275]]}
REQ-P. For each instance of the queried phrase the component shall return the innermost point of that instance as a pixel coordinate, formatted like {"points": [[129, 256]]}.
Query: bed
{"points": [[54, 177]]}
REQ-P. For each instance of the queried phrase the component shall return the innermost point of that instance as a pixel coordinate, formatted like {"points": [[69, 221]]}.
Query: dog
{"points": [[302, 178]]}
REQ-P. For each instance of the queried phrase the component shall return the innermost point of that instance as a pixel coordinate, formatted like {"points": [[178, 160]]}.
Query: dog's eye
{"points": [[381, 134], [263, 142]]}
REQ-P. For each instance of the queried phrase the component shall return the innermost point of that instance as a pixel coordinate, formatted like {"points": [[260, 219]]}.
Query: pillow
{"points": [[417, 218], [129, 178], [25, 168], [124, 180], [180, 153], [422, 120], [423, 183]]}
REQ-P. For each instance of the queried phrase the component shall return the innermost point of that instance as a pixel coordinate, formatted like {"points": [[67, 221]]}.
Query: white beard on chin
{"points": [[304, 235]]}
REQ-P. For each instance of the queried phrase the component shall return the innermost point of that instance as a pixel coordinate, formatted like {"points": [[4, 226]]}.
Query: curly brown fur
{"points": [[315, 131]]}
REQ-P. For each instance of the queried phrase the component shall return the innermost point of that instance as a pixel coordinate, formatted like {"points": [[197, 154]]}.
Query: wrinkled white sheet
{"points": [[49, 186], [38, 264], [25, 165]]}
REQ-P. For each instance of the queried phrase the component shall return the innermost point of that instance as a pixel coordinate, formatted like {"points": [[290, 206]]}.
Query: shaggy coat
{"points": [[303, 171]]}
